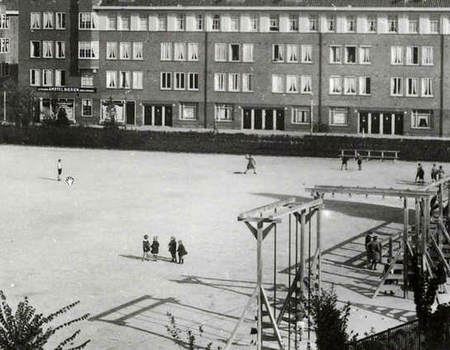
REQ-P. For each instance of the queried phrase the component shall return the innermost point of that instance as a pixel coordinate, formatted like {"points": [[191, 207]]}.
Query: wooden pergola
{"points": [[261, 221]]}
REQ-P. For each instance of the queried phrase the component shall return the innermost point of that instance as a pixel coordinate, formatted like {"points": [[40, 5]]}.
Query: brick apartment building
{"points": [[9, 43], [373, 67]]}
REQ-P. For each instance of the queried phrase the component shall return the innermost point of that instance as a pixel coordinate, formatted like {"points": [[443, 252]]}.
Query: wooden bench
{"points": [[370, 154]]}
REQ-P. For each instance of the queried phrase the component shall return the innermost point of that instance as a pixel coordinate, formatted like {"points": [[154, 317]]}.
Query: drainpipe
{"points": [[441, 118], [319, 95], [205, 85]]}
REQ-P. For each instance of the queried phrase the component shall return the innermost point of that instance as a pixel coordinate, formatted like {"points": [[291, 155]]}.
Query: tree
{"points": [[24, 329], [19, 102]]}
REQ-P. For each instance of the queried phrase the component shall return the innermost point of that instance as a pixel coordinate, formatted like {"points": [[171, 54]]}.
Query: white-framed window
{"points": [[199, 22], [60, 49], [180, 22], [138, 50], [421, 118], [306, 84], [293, 23], [254, 22], [434, 25], [350, 24], [278, 53], [234, 23], [234, 52], [4, 45], [221, 52], [371, 24], [412, 87], [179, 51], [364, 55], [350, 54], [143, 23], [87, 79], [112, 22], [35, 77], [111, 50], [427, 55], [123, 21], [396, 86], [277, 83], [60, 20], [48, 20], [291, 84], [47, 77], [35, 20], [138, 80], [35, 49], [234, 82], [88, 20], [396, 54], [4, 21], [247, 82], [330, 24], [166, 51], [220, 80], [274, 24], [349, 85], [179, 81], [335, 85], [301, 115], [365, 86], [47, 49], [427, 87], [247, 52], [413, 25], [162, 22], [60, 77], [338, 116], [88, 50], [412, 55], [216, 23], [292, 54], [313, 23], [125, 50], [193, 81], [223, 112], [393, 24], [86, 107], [307, 53], [335, 54], [192, 52], [188, 111], [111, 79], [166, 80]]}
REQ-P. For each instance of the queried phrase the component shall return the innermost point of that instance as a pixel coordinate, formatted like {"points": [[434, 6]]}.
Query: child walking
{"points": [[251, 165], [173, 248], [181, 252], [145, 248], [59, 167], [155, 248]]}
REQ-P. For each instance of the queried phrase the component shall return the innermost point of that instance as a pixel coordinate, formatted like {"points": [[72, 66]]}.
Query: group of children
{"points": [[154, 249], [436, 174], [344, 160], [373, 249]]}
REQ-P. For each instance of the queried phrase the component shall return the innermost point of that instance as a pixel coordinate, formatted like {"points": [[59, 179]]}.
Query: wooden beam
{"points": [[252, 229], [386, 274], [272, 319], [441, 255], [437, 183], [262, 211], [258, 219], [302, 246], [405, 244], [296, 208], [259, 282], [387, 192], [319, 249]]}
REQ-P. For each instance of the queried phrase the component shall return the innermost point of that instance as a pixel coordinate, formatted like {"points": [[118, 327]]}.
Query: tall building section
{"points": [[373, 68], [9, 43]]}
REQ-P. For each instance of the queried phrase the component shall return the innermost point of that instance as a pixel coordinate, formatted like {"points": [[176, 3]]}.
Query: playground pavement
{"points": [[64, 243]]}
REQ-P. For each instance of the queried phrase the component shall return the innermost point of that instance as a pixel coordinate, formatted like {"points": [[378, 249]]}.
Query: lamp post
{"points": [[311, 126]]}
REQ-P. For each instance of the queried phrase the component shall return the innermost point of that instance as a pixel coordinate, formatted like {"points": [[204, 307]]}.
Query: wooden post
{"points": [[418, 230], [441, 200], [259, 262], [302, 247], [405, 250], [319, 244], [448, 202]]}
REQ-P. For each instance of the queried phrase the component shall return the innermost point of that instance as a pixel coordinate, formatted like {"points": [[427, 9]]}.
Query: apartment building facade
{"points": [[358, 67], [9, 43]]}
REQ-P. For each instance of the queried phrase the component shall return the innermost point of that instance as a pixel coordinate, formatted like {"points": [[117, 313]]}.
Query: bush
{"points": [[321, 127]]}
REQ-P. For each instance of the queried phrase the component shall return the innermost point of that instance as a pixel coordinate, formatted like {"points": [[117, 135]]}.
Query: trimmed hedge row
{"points": [[205, 142]]}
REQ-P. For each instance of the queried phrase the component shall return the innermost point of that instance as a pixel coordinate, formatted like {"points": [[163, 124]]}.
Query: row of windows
{"points": [[348, 85], [235, 22], [48, 20], [410, 55], [179, 81], [47, 49], [290, 84], [236, 82], [4, 21], [411, 87], [47, 77], [292, 53], [179, 51], [4, 45], [123, 80], [123, 50]]}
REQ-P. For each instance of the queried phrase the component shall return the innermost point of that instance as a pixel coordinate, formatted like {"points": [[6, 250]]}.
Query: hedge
{"points": [[206, 142]]}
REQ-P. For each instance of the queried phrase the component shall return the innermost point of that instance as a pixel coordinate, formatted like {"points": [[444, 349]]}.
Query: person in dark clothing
{"points": [[420, 174], [155, 248], [375, 252], [369, 256], [173, 248], [359, 161], [145, 248], [441, 276], [344, 162], [434, 173], [181, 252]]}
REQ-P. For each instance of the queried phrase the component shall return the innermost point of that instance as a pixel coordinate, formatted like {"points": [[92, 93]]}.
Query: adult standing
{"points": [[375, 252], [441, 173], [359, 161], [369, 255], [155, 248], [344, 162], [434, 173], [59, 168], [181, 252], [441, 276], [173, 248], [419, 174]]}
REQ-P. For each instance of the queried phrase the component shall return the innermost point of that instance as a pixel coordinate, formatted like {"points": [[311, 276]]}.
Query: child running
{"points": [[251, 165], [155, 248], [145, 248]]}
